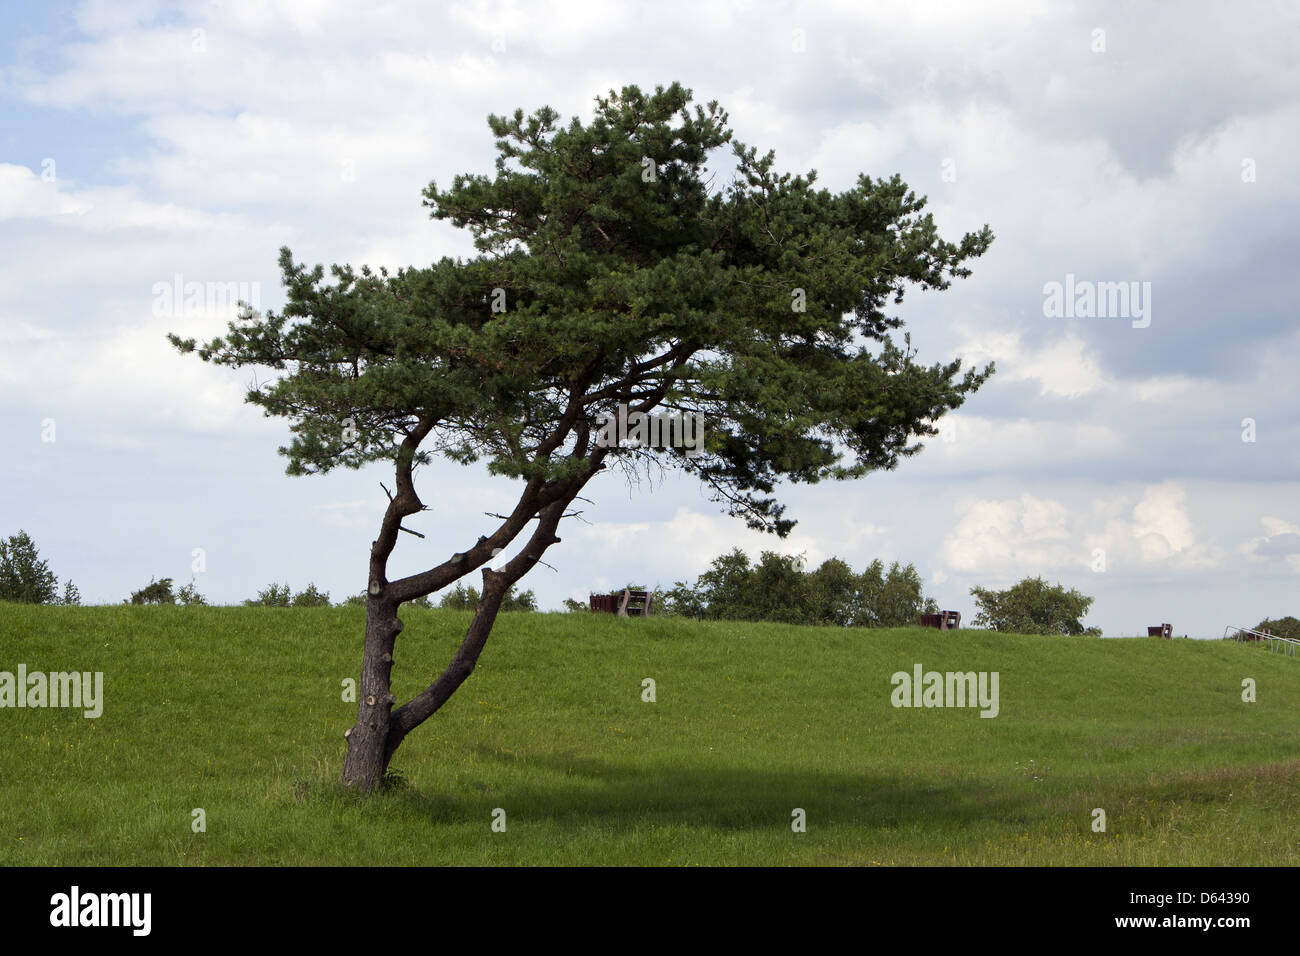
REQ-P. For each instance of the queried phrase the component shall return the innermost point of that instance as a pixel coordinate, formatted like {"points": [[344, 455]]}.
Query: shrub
{"points": [[524, 601], [189, 594], [460, 598], [275, 595], [310, 597], [155, 592]]}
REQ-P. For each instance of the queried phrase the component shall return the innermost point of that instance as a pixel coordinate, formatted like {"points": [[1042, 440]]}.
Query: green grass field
{"points": [[239, 711]]}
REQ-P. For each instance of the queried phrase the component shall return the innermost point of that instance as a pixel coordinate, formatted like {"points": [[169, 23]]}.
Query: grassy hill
{"points": [[238, 711]]}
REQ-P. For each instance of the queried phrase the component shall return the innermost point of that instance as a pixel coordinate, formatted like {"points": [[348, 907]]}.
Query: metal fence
{"points": [[1276, 644]]}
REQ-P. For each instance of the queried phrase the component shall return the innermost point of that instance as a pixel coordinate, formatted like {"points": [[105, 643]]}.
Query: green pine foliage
{"points": [[612, 270]]}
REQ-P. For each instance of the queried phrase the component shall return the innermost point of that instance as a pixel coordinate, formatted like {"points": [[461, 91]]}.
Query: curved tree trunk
{"points": [[379, 729]]}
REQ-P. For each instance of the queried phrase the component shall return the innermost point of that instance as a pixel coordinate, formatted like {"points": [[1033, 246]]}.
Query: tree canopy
{"points": [[26, 578], [1032, 606], [1281, 627], [610, 273]]}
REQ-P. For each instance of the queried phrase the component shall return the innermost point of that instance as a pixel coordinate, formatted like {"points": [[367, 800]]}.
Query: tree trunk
{"points": [[379, 729], [368, 749], [378, 732]]}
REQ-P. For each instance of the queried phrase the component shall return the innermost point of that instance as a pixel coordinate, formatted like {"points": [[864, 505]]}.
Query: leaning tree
{"points": [[609, 273]]}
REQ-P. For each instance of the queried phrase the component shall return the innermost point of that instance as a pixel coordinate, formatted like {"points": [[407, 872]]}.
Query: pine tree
{"points": [[611, 279]]}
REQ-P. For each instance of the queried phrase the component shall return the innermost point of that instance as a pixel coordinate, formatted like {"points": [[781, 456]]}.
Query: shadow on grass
{"points": [[586, 790], [577, 792]]}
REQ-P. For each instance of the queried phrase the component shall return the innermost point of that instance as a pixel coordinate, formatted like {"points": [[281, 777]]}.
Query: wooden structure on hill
{"points": [[628, 603], [944, 620]]}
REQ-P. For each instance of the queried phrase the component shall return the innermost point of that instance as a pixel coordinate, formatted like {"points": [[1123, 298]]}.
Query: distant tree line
{"points": [[459, 598], [778, 588], [26, 578]]}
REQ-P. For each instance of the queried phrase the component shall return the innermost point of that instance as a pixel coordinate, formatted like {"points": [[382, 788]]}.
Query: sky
{"points": [[1145, 452]]}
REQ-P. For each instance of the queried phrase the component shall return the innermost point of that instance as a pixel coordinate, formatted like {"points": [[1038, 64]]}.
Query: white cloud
{"points": [[356, 514], [130, 373], [1062, 368], [977, 441], [998, 537], [1280, 541], [23, 194], [1011, 538], [1160, 522]]}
